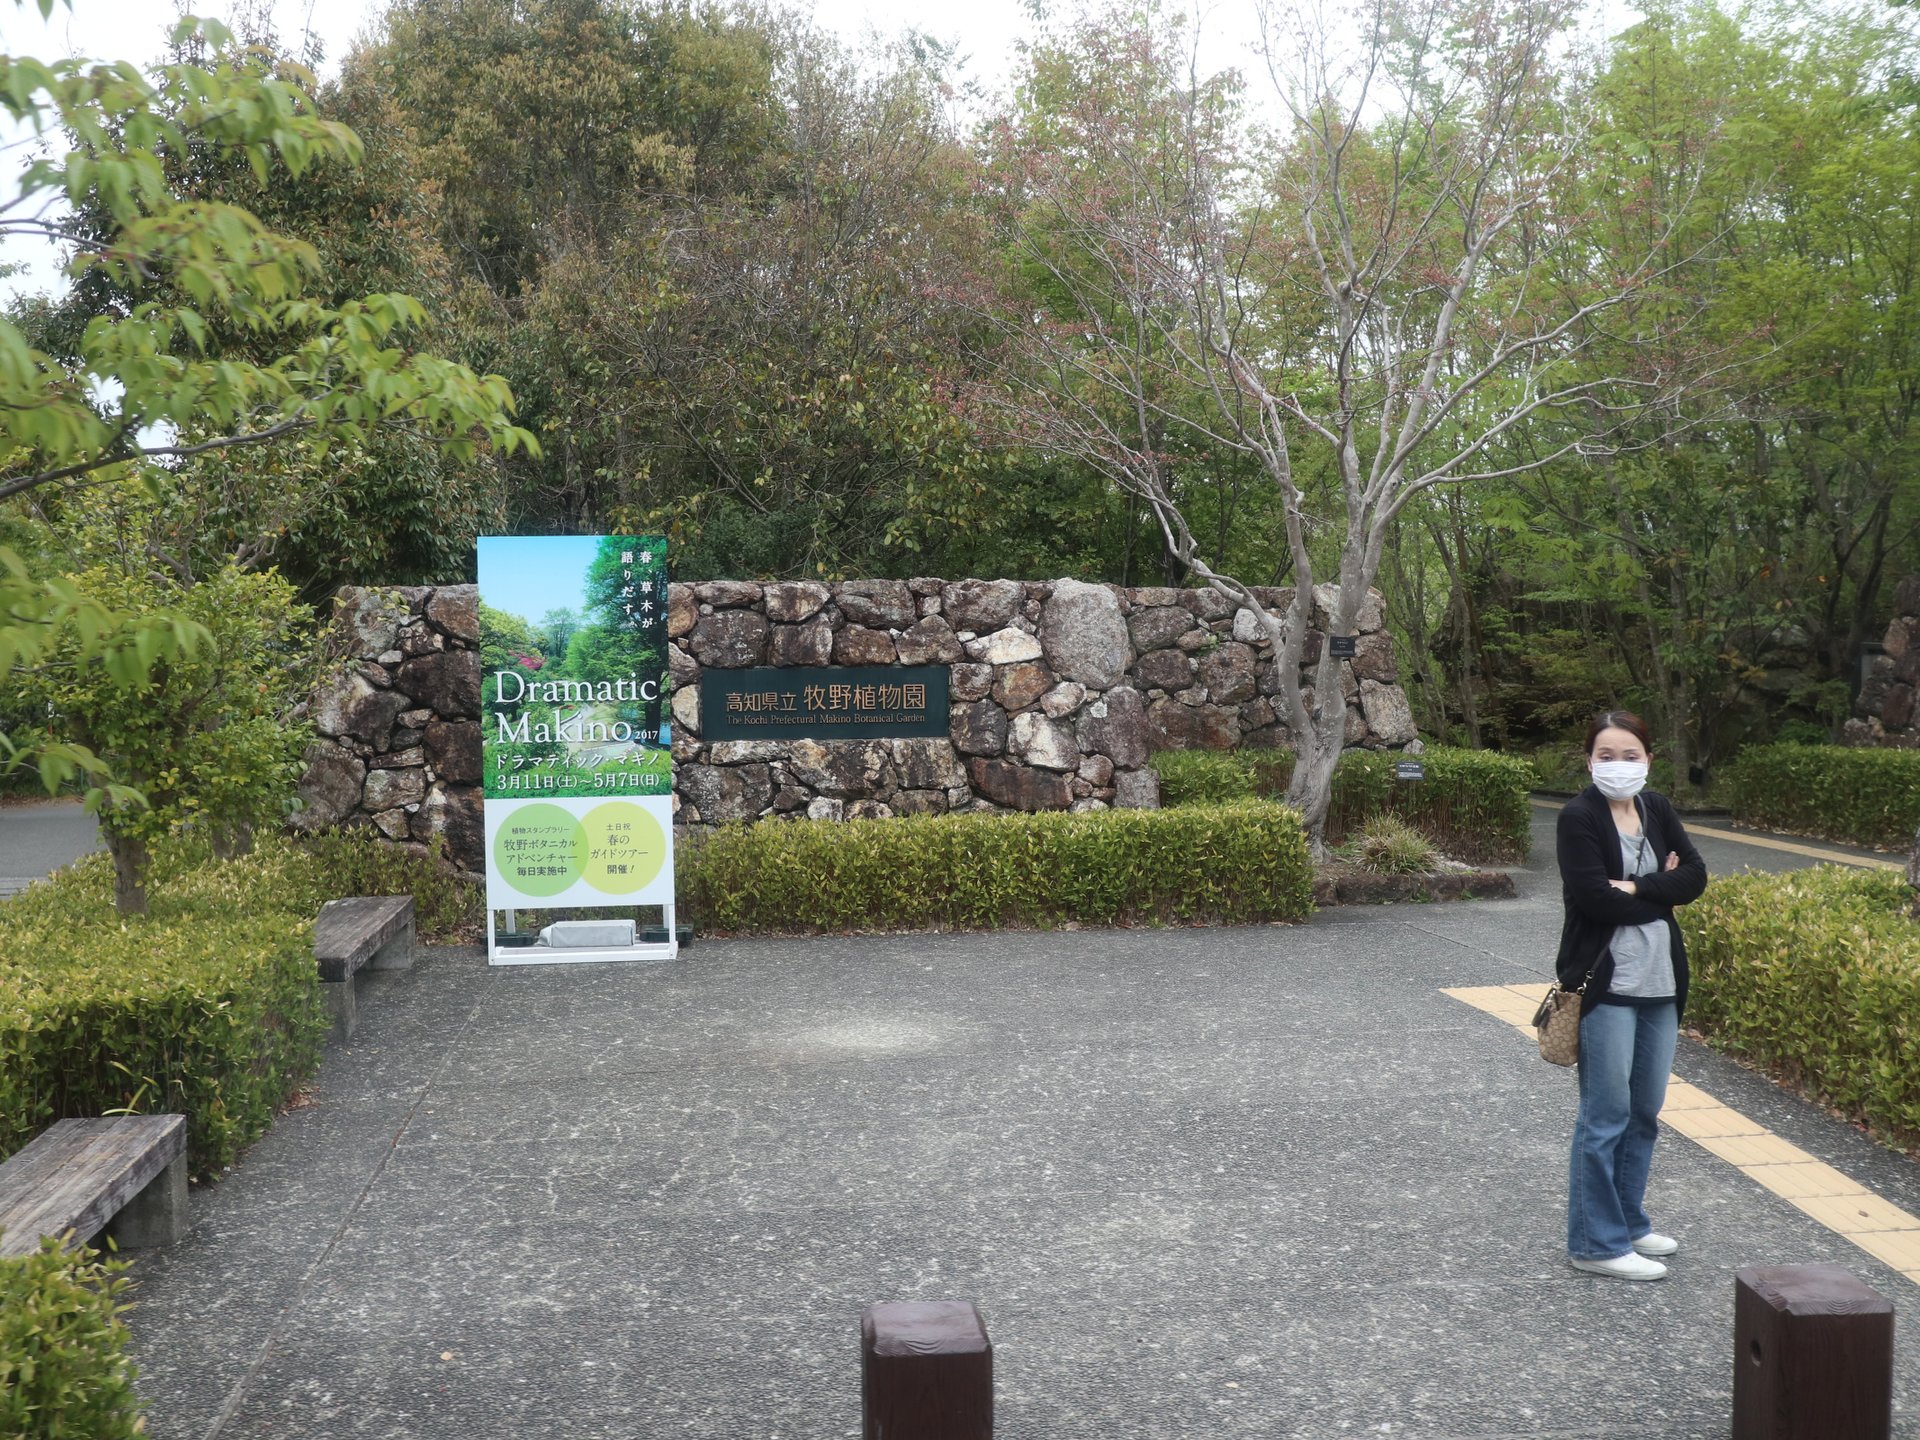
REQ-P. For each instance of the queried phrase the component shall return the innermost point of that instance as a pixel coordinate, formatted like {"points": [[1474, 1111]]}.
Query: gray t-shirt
{"points": [[1642, 954]]}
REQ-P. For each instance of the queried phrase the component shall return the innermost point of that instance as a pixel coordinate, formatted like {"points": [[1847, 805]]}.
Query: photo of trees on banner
{"points": [[573, 647]]}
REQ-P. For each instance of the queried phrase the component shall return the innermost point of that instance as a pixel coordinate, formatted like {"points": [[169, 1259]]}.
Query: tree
{"points": [[206, 737], [1402, 280], [139, 387]]}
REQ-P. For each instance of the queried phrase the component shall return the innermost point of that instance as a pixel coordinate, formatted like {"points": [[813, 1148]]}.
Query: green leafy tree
{"points": [[140, 388], [206, 737]]}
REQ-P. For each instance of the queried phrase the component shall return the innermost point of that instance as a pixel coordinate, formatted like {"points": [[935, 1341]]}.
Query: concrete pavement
{"points": [[39, 836], [1263, 1181]]}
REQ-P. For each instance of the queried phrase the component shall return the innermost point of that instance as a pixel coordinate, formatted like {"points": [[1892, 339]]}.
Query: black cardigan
{"points": [[1589, 849]]}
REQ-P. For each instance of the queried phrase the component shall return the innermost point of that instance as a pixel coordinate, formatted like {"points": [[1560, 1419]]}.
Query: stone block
{"points": [[724, 594], [981, 606], [1019, 787], [1017, 686], [1084, 636], [455, 610], [1158, 628], [449, 682], [970, 682], [1039, 741], [1136, 790], [979, 728], [729, 640], [683, 611], [330, 788], [453, 749], [808, 644], [1004, 647], [859, 645], [726, 792], [791, 601], [930, 641], [1116, 726], [878, 604]]}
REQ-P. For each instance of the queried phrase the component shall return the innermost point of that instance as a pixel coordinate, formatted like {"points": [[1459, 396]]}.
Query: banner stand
{"points": [[576, 740]]}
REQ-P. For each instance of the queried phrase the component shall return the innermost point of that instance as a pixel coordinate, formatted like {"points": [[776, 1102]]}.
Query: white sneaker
{"points": [[1655, 1244], [1624, 1267]]}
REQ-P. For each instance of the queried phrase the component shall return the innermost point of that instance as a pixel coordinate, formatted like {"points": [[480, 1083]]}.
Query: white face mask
{"points": [[1620, 779]]}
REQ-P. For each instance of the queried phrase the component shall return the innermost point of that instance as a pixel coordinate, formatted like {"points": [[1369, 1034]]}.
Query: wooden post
{"points": [[926, 1372], [1813, 1355]]}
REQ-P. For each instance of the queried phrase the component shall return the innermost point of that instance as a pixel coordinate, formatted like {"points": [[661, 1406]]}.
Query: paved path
{"points": [[39, 836], [1264, 1181]]}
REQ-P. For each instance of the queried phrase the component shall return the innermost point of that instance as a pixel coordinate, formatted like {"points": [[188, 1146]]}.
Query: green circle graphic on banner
{"points": [[540, 849], [625, 847]]}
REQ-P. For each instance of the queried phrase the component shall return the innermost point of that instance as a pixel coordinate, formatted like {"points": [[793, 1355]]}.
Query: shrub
{"points": [[205, 737], [64, 1371], [208, 1007], [1226, 863], [1861, 797], [1390, 846], [1816, 974], [1473, 803]]}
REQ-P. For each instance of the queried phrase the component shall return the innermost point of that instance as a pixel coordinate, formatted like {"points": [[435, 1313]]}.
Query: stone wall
{"points": [[398, 715], [1061, 692], [1887, 710]]}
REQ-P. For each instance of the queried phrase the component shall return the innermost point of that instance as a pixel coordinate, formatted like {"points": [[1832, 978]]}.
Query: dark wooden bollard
{"points": [[926, 1372], [1813, 1355]]}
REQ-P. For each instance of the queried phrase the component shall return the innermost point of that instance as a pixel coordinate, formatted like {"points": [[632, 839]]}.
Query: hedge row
{"points": [[1816, 974], [64, 1371], [1202, 863], [1862, 797], [209, 1007], [1472, 804]]}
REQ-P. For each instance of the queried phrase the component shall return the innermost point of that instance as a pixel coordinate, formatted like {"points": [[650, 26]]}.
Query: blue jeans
{"points": [[1626, 1054]]}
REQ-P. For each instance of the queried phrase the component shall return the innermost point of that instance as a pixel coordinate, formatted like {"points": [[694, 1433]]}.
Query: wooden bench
{"points": [[125, 1174], [368, 930]]}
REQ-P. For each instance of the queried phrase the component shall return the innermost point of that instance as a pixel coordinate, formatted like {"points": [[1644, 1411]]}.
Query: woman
{"points": [[1625, 862]]}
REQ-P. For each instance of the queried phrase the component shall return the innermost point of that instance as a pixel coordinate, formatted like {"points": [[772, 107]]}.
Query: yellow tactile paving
{"points": [[1711, 1122], [1855, 1214], [1804, 1179], [1682, 1096], [1752, 1151], [1849, 1209]]}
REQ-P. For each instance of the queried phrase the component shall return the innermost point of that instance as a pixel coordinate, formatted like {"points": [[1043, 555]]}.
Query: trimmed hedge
{"points": [[1222, 864], [209, 1007], [64, 1371], [1861, 797], [1815, 974], [1473, 803]]}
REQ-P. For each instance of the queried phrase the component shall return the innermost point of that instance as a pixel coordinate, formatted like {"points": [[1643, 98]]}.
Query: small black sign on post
{"points": [[1341, 647], [1409, 770]]}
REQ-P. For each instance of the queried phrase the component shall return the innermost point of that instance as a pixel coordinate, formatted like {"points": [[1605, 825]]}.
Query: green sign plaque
{"points": [[839, 703]]}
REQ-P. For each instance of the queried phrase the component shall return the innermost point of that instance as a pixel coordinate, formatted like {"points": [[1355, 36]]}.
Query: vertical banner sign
{"points": [[578, 778]]}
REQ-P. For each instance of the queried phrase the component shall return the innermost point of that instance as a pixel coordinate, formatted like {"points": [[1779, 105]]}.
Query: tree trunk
{"points": [[129, 873]]}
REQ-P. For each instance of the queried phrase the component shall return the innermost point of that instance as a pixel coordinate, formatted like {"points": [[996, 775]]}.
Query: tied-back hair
{"points": [[1620, 720]]}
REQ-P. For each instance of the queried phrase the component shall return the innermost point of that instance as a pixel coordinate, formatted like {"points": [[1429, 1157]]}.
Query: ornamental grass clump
{"points": [[1390, 846], [1814, 974]]}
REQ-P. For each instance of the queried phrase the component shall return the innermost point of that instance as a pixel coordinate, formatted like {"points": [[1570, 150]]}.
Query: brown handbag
{"points": [[1557, 1024]]}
